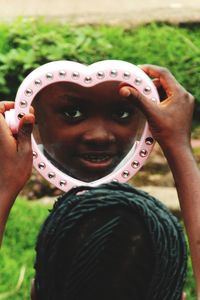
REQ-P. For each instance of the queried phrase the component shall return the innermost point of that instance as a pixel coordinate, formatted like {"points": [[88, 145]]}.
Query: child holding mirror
{"points": [[170, 124]]}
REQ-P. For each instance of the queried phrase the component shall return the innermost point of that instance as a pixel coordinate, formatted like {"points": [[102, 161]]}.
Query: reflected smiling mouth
{"points": [[97, 157], [97, 160]]}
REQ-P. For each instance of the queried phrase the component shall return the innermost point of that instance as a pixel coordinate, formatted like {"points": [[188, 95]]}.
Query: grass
{"points": [[17, 254]]}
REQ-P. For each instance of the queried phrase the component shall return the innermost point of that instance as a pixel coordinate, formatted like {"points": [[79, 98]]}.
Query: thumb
{"points": [[24, 133], [146, 105]]}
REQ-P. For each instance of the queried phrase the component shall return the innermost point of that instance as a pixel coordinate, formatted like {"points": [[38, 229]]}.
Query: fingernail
{"points": [[127, 93]]}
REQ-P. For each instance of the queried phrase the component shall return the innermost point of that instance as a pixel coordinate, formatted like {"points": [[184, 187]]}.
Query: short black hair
{"points": [[110, 242]]}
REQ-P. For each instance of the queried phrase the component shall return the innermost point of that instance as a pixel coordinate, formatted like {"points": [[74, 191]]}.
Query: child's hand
{"points": [[170, 121], [15, 161], [15, 152]]}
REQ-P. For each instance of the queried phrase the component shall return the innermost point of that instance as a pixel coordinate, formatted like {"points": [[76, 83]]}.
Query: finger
{"points": [[148, 107], [122, 84], [161, 91], [156, 82], [5, 131], [24, 133], [6, 105], [167, 80], [32, 110]]}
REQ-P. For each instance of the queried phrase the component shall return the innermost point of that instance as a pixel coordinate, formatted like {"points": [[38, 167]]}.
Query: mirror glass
{"points": [[86, 132]]}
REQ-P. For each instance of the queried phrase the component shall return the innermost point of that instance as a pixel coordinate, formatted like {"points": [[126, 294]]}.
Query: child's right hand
{"points": [[15, 152], [15, 161]]}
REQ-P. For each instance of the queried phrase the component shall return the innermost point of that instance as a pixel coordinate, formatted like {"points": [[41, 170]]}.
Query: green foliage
{"points": [[18, 251], [28, 43], [190, 283]]}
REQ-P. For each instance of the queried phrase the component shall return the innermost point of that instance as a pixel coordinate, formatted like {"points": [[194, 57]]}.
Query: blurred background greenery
{"points": [[27, 43]]}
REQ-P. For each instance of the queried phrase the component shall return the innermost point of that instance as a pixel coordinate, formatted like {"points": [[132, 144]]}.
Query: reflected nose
{"points": [[98, 135]]}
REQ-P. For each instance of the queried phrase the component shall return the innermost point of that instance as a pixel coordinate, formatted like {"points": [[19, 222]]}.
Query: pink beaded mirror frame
{"points": [[86, 76]]}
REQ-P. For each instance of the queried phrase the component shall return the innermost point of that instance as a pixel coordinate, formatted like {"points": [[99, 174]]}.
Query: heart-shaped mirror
{"points": [[85, 132]]}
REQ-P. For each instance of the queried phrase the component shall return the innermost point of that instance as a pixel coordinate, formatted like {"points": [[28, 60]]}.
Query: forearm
{"points": [[187, 180], [16, 161], [6, 204], [170, 123]]}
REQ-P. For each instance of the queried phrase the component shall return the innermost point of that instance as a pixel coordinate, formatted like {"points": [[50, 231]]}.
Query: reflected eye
{"points": [[121, 114], [73, 114]]}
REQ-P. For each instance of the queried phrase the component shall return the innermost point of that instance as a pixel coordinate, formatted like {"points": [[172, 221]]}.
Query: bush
{"points": [[27, 43]]}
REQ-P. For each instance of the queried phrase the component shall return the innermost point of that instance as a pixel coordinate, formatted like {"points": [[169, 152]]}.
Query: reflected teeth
{"points": [[96, 158]]}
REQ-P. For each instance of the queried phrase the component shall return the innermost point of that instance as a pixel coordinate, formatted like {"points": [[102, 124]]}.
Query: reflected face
{"points": [[86, 132]]}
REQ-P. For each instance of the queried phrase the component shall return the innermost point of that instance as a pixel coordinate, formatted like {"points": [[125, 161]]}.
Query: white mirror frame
{"points": [[87, 76]]}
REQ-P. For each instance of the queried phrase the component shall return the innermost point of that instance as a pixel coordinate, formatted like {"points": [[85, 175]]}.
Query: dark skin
{"points": [[16, 160], [170, 123], [86, 131]]}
